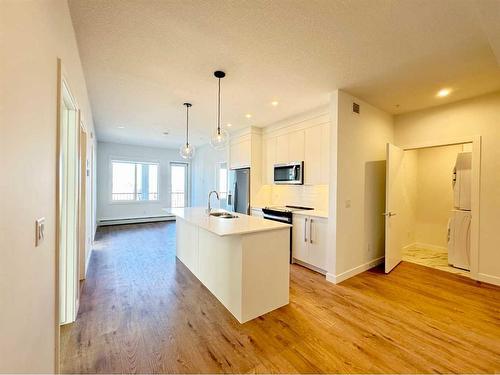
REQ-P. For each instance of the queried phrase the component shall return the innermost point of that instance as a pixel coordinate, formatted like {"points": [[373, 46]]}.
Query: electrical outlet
{"points": [[39, 231]]}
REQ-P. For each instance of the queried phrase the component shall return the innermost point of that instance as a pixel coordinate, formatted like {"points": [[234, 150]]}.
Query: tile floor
{"points": [[431, 258]]}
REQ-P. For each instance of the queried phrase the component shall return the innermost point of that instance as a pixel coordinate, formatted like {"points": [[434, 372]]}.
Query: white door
{"points": [[299, 238], [317, 242], [394, 224]]}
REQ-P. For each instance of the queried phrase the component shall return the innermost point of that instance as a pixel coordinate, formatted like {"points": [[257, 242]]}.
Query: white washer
{"points": [[459, 239]]}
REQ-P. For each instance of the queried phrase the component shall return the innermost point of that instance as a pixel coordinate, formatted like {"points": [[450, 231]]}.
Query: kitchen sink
{"points": [[223, 215]]}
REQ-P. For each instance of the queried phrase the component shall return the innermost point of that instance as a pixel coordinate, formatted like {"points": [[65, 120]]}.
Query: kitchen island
{"points": [[243, 261]]}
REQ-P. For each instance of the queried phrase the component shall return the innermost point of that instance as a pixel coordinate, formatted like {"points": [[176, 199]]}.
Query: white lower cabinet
{"points": [[309, 241], [256, 212]]}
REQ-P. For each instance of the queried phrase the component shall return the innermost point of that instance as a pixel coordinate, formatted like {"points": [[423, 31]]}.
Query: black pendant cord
{"points": [[218, 111], [187, 126], [187, 122]]}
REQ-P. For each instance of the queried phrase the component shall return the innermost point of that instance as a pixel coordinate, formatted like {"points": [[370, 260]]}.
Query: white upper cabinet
{"points": [[312, 162], [310, 144], [290, 147], [282, 143], [325, 154], [296, 146], [269, 160], [240, 154]]}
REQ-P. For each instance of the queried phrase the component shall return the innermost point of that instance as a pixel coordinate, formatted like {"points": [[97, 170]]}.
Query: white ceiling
{"points": [[143, 59]]}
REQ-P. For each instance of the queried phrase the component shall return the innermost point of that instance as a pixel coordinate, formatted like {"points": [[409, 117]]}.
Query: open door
{"points": [[394, 225]]}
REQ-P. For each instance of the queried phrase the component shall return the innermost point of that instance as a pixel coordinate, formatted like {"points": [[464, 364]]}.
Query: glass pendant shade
{"points": [[187, 151], [219, 139]]}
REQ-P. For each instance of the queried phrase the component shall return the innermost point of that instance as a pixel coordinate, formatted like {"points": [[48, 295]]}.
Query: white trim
{"points": [[410, 246], [354, 271], [428, 246], [297, 119], [247, 131], [133, 220], [439, 143], [490, 279], [475, 191], [310, 266]]}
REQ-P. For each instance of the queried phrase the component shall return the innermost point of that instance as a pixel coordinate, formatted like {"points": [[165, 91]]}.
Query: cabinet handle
{"points": [[305, 229], [311, 231]]}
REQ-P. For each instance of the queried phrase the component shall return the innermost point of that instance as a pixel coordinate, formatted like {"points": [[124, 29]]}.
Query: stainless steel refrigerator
{"points": [[238, 196]]}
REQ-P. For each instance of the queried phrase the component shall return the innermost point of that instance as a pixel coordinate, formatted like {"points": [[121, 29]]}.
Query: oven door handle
{"points": [[277, 218]]}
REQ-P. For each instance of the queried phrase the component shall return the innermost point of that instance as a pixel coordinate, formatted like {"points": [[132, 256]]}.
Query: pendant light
{"points": [[187, 151], [220, 137]]}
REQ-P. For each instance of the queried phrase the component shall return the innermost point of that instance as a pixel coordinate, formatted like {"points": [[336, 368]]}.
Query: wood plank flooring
{"points": [[142, 311]]}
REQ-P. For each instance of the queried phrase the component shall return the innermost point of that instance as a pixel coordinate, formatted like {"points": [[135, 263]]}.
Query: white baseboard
{"points": [[429, 246], [310, 266], [490, 279], [134, 220], [354, 271], [410, 246]]}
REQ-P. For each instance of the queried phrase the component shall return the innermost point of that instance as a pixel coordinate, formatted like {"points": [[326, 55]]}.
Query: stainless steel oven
{"points": [[289, 173]]}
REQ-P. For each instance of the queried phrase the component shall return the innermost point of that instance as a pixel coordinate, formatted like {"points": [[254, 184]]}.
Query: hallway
{"points": [[143, 311]]}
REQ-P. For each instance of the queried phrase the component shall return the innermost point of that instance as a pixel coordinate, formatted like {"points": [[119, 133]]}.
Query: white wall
{"points": [[315, 196], [435, 194], [204, 173], [33, 35], [409, 207], [360, 185], [478, 116], [106, 209]]}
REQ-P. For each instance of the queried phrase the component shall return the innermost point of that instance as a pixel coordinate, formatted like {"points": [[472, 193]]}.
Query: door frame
{"points": [[475, 189], [82, 199], [63, 87]]}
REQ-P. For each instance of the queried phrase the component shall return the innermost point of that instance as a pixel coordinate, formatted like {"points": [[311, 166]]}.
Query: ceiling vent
{"points": [[355, 107]]}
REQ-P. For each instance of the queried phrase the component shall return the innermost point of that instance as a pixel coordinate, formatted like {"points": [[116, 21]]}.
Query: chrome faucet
{"points": [[209, 209]]}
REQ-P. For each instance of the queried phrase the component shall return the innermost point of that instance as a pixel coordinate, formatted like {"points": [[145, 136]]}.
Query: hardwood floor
{"points": [[142, 311]]}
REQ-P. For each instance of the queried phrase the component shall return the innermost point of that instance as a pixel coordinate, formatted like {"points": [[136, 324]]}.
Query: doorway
{"points": [[432, 206], [179, 185]]}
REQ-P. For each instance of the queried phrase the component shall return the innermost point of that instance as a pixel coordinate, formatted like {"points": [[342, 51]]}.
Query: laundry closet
{"points": [[437, 207]]}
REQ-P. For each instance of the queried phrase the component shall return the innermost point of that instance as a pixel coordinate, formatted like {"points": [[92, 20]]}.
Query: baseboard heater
{"points": [[134, 220]]}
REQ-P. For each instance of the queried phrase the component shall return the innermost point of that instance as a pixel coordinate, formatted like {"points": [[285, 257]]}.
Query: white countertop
{"points": [[315, 213], [225, 227]]}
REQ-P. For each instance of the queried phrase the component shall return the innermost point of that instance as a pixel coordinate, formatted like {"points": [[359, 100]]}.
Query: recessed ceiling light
{"points": [[443, 92], [274, 103], [229, 125], [248, 115], [121, 127]]}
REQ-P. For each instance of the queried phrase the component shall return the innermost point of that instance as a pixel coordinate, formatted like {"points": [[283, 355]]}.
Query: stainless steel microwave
{"points": [[289, 173]]}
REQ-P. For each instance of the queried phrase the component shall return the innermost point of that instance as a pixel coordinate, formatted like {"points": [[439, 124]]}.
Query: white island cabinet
{"points": [[243, 261]]}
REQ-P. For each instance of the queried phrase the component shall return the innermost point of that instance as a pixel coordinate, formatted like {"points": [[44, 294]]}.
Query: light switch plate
{"points": [[39, 231]]}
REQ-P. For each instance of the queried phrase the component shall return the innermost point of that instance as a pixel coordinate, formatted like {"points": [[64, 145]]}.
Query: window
{"points": [[222, 180], [134, 181], [178, 184]]}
